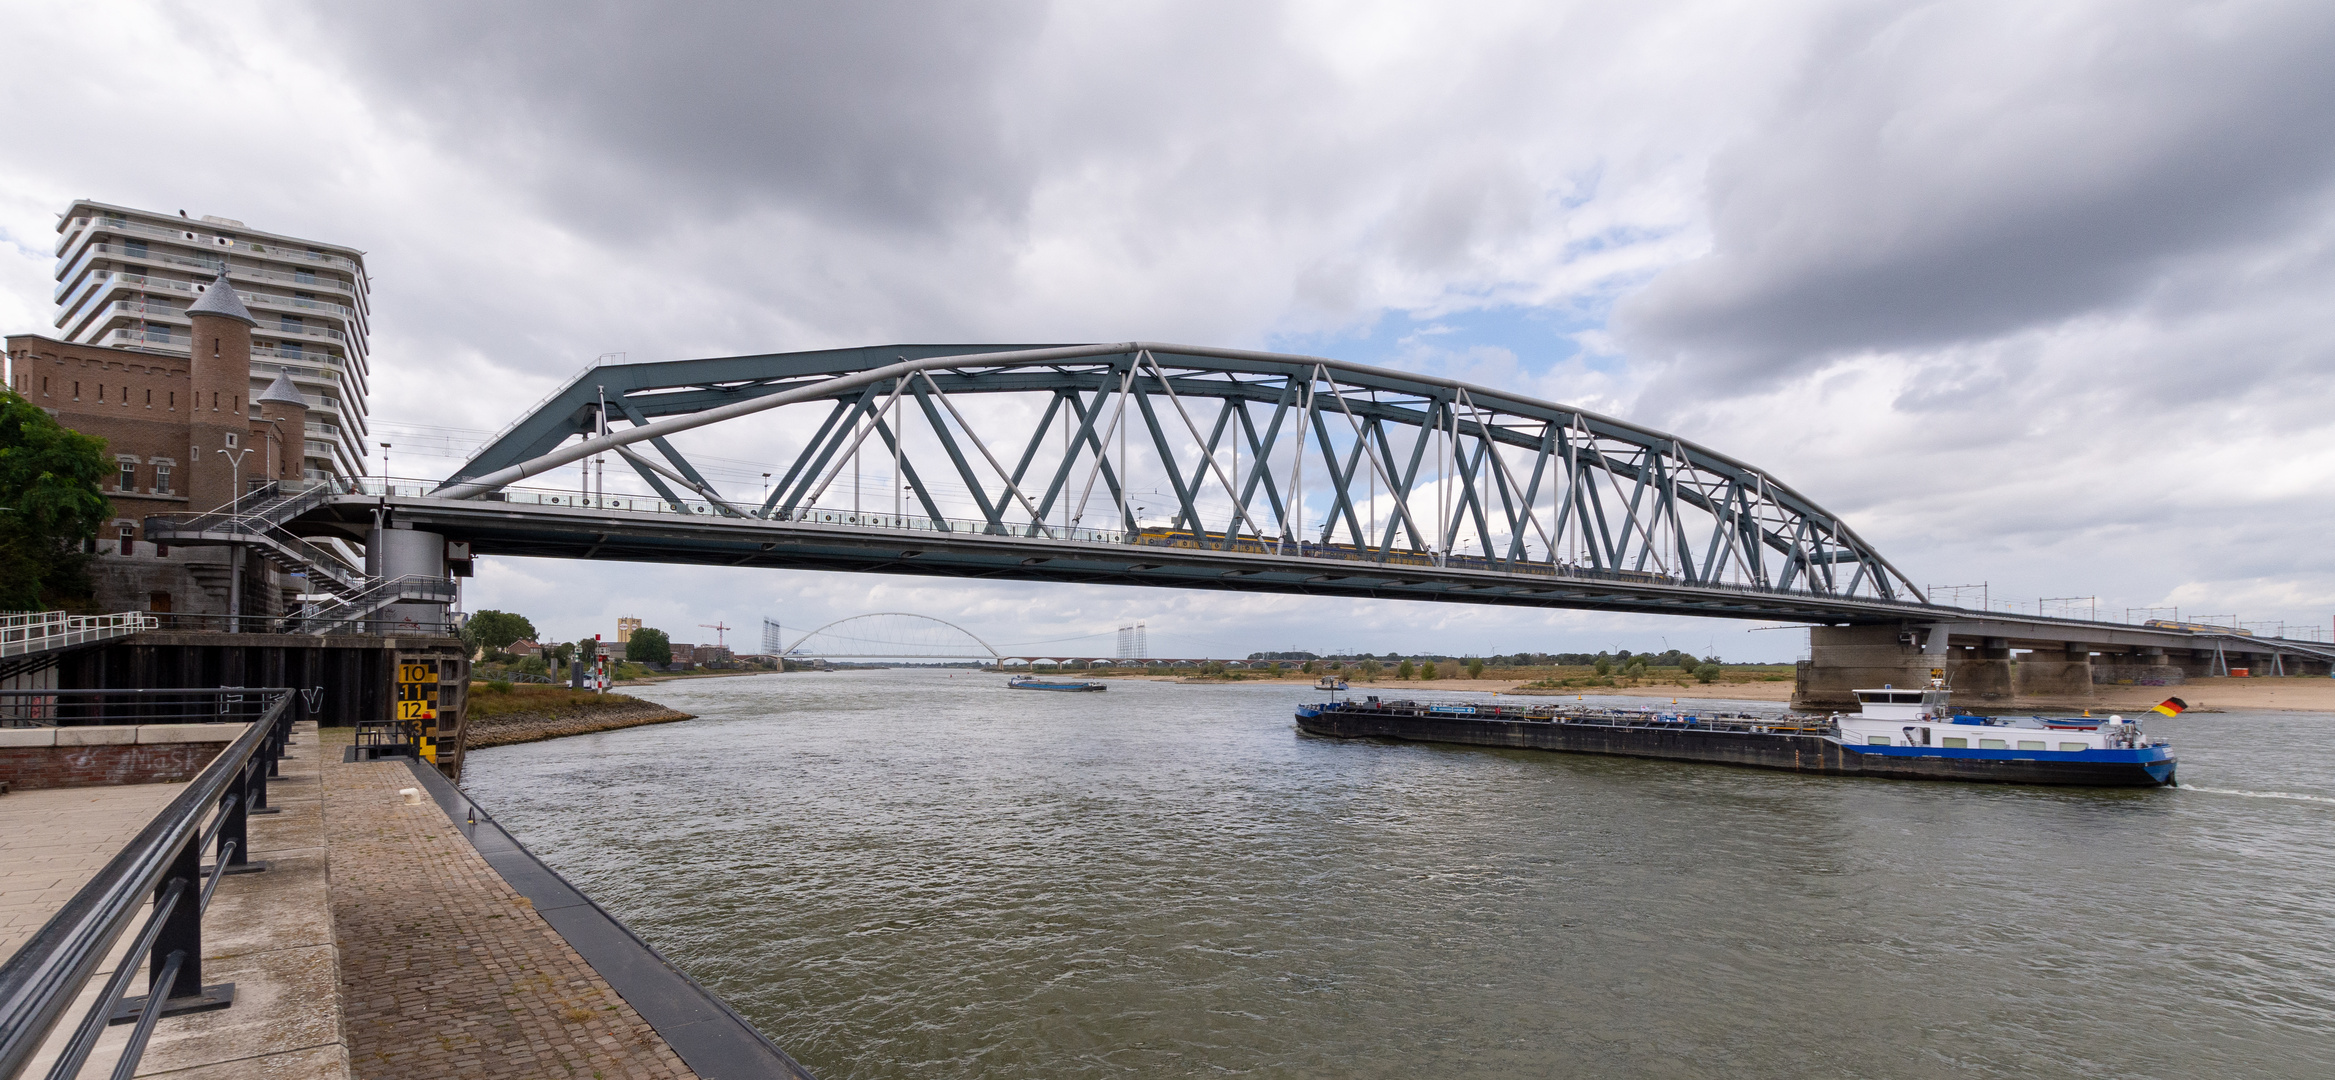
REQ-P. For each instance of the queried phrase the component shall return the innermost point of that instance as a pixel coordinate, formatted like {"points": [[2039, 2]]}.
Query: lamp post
{"points": [[385, 468], [235, 462], [235, 570]]}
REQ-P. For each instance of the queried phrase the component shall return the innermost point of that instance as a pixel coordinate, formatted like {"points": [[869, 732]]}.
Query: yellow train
{"points": [[2196, 628]]}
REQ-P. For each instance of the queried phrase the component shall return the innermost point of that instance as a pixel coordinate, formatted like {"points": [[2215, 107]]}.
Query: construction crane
{"points": [[718, 630]]}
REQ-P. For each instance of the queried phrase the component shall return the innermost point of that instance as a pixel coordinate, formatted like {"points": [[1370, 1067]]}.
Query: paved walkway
{"points": [[446, 971], [53, 839]]}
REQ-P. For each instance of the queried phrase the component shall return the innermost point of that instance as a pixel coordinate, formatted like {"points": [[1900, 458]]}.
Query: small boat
{"points": [[1026, 682], [1329, 682]]}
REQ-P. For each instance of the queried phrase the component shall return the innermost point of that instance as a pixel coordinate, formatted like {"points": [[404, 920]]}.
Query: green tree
{"points": [[1405, 671], [1369, 669], [649, 645], [496, 630], [1708, 672], [1475, 668], [50, 505], [1604, 666], [1427, 671], [1308, 668]]}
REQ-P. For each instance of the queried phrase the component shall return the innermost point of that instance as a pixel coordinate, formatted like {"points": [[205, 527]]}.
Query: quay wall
{"points": [[36, 758]]}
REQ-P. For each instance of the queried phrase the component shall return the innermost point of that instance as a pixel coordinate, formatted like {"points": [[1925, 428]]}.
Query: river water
{"points": [[905, 874]]}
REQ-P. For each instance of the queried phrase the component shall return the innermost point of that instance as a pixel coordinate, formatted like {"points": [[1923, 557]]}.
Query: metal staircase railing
{"points": [[258, 520], [350, 613]]}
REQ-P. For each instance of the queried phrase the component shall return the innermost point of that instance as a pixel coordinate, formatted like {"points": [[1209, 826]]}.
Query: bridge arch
{"points": [[1239, 452], [987, 651]]}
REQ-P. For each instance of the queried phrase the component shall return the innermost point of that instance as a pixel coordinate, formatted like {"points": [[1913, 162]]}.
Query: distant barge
{"points": [[1898, 735], [1024, 682]]}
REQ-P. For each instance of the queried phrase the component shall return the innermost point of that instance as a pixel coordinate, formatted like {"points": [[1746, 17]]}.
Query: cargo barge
{"points": [[1897, 735]]}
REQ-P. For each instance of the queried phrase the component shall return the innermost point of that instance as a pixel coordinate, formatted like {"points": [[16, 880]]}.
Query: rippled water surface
{"points": [[904, 874]]}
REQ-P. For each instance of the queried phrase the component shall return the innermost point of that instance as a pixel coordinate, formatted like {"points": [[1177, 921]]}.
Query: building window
{"points": [[135, 249], [129, 480], [149, 399], [1954, 743], [161, 479], [129, 537]]}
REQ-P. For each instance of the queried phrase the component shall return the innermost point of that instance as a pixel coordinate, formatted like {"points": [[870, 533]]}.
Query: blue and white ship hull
{"points": [[1803, 745]]}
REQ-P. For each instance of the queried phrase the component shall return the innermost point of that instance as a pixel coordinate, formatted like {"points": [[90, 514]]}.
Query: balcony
{"points": [[144, 337], [274, 352], [209, 236], [319, 333], [73, 273]]}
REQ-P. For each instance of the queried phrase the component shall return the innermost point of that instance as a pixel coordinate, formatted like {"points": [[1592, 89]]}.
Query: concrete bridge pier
{"points": [[1983, 673], [1846, 658], [2066, 672]]}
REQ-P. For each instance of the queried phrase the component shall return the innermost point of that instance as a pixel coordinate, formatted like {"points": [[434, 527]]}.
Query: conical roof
{"points": [[220, 299], [281, 392]]}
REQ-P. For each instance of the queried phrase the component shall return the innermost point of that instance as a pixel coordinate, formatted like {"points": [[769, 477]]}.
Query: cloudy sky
{"points": [[2034, 295]]}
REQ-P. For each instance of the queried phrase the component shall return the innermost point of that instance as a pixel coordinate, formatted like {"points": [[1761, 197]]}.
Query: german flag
{"points": [[2171, 706]]}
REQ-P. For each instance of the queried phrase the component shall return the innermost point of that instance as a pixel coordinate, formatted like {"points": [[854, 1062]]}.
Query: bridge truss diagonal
{"points": [[1245, 455]]}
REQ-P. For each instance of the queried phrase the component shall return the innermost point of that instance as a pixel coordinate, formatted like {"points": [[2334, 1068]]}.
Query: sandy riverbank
{"points": [[2294, 694], [534, 713]]}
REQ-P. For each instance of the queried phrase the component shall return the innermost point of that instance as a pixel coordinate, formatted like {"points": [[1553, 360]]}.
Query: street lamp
{"points": [[765, 487], [235, 460]]}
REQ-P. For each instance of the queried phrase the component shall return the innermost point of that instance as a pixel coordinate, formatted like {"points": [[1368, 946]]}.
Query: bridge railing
{"points": [[160, 873], [1394, 560]]}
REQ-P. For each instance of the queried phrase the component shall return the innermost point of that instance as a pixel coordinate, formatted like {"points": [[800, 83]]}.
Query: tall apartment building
{"points": [[125, 279]]}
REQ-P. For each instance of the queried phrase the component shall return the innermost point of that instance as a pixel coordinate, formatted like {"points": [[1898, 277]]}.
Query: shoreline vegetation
{"points": [[528, 712]]}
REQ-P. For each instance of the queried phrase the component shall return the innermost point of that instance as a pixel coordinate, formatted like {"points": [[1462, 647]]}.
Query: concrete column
{"points": [[2060, 673], [392, 553], [1987, 678], [1846, 658]]}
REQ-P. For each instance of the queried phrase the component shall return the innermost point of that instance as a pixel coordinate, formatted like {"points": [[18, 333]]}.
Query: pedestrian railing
{"points": [[39, 631], [160, 873]]}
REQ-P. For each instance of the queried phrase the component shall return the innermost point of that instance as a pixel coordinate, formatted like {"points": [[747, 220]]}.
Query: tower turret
{"points": [[219, 371], [283, 412]]}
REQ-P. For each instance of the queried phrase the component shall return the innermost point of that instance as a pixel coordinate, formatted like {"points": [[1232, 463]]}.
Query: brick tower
{"points": [[283, 414], [219, 371]]}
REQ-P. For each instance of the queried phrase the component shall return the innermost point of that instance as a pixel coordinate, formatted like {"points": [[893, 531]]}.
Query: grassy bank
{"points": [[527, 712]]}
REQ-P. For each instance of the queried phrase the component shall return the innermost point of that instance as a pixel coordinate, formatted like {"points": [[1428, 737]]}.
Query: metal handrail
{"points": [[40, 982]]}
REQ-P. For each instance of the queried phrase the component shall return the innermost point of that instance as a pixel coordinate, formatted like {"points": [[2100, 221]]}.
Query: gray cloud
{"points": [[1956, 172], [629, 115]]}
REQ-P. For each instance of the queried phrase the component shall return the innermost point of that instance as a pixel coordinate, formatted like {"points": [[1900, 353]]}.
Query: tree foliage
{"points": [[1475, 668], [49, 477], [496, 630], [649, 645]]}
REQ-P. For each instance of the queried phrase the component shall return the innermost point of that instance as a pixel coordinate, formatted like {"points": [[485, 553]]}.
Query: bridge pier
{"points": [[1842, 659], [2063, 672]]}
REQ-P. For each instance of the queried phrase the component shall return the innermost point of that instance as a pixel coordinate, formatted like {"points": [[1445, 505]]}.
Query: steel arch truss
{"points": [[1209, 448]]}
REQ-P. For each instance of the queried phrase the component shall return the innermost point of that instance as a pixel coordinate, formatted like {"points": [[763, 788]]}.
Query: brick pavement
{"points": [[446, 971], [52, 840]]}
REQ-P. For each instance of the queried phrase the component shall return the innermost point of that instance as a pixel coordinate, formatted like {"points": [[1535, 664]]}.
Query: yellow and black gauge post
{"points": [[417, 704]]}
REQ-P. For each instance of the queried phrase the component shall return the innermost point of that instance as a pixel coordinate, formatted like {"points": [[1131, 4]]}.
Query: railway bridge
{"points": [[1198, 468]]}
